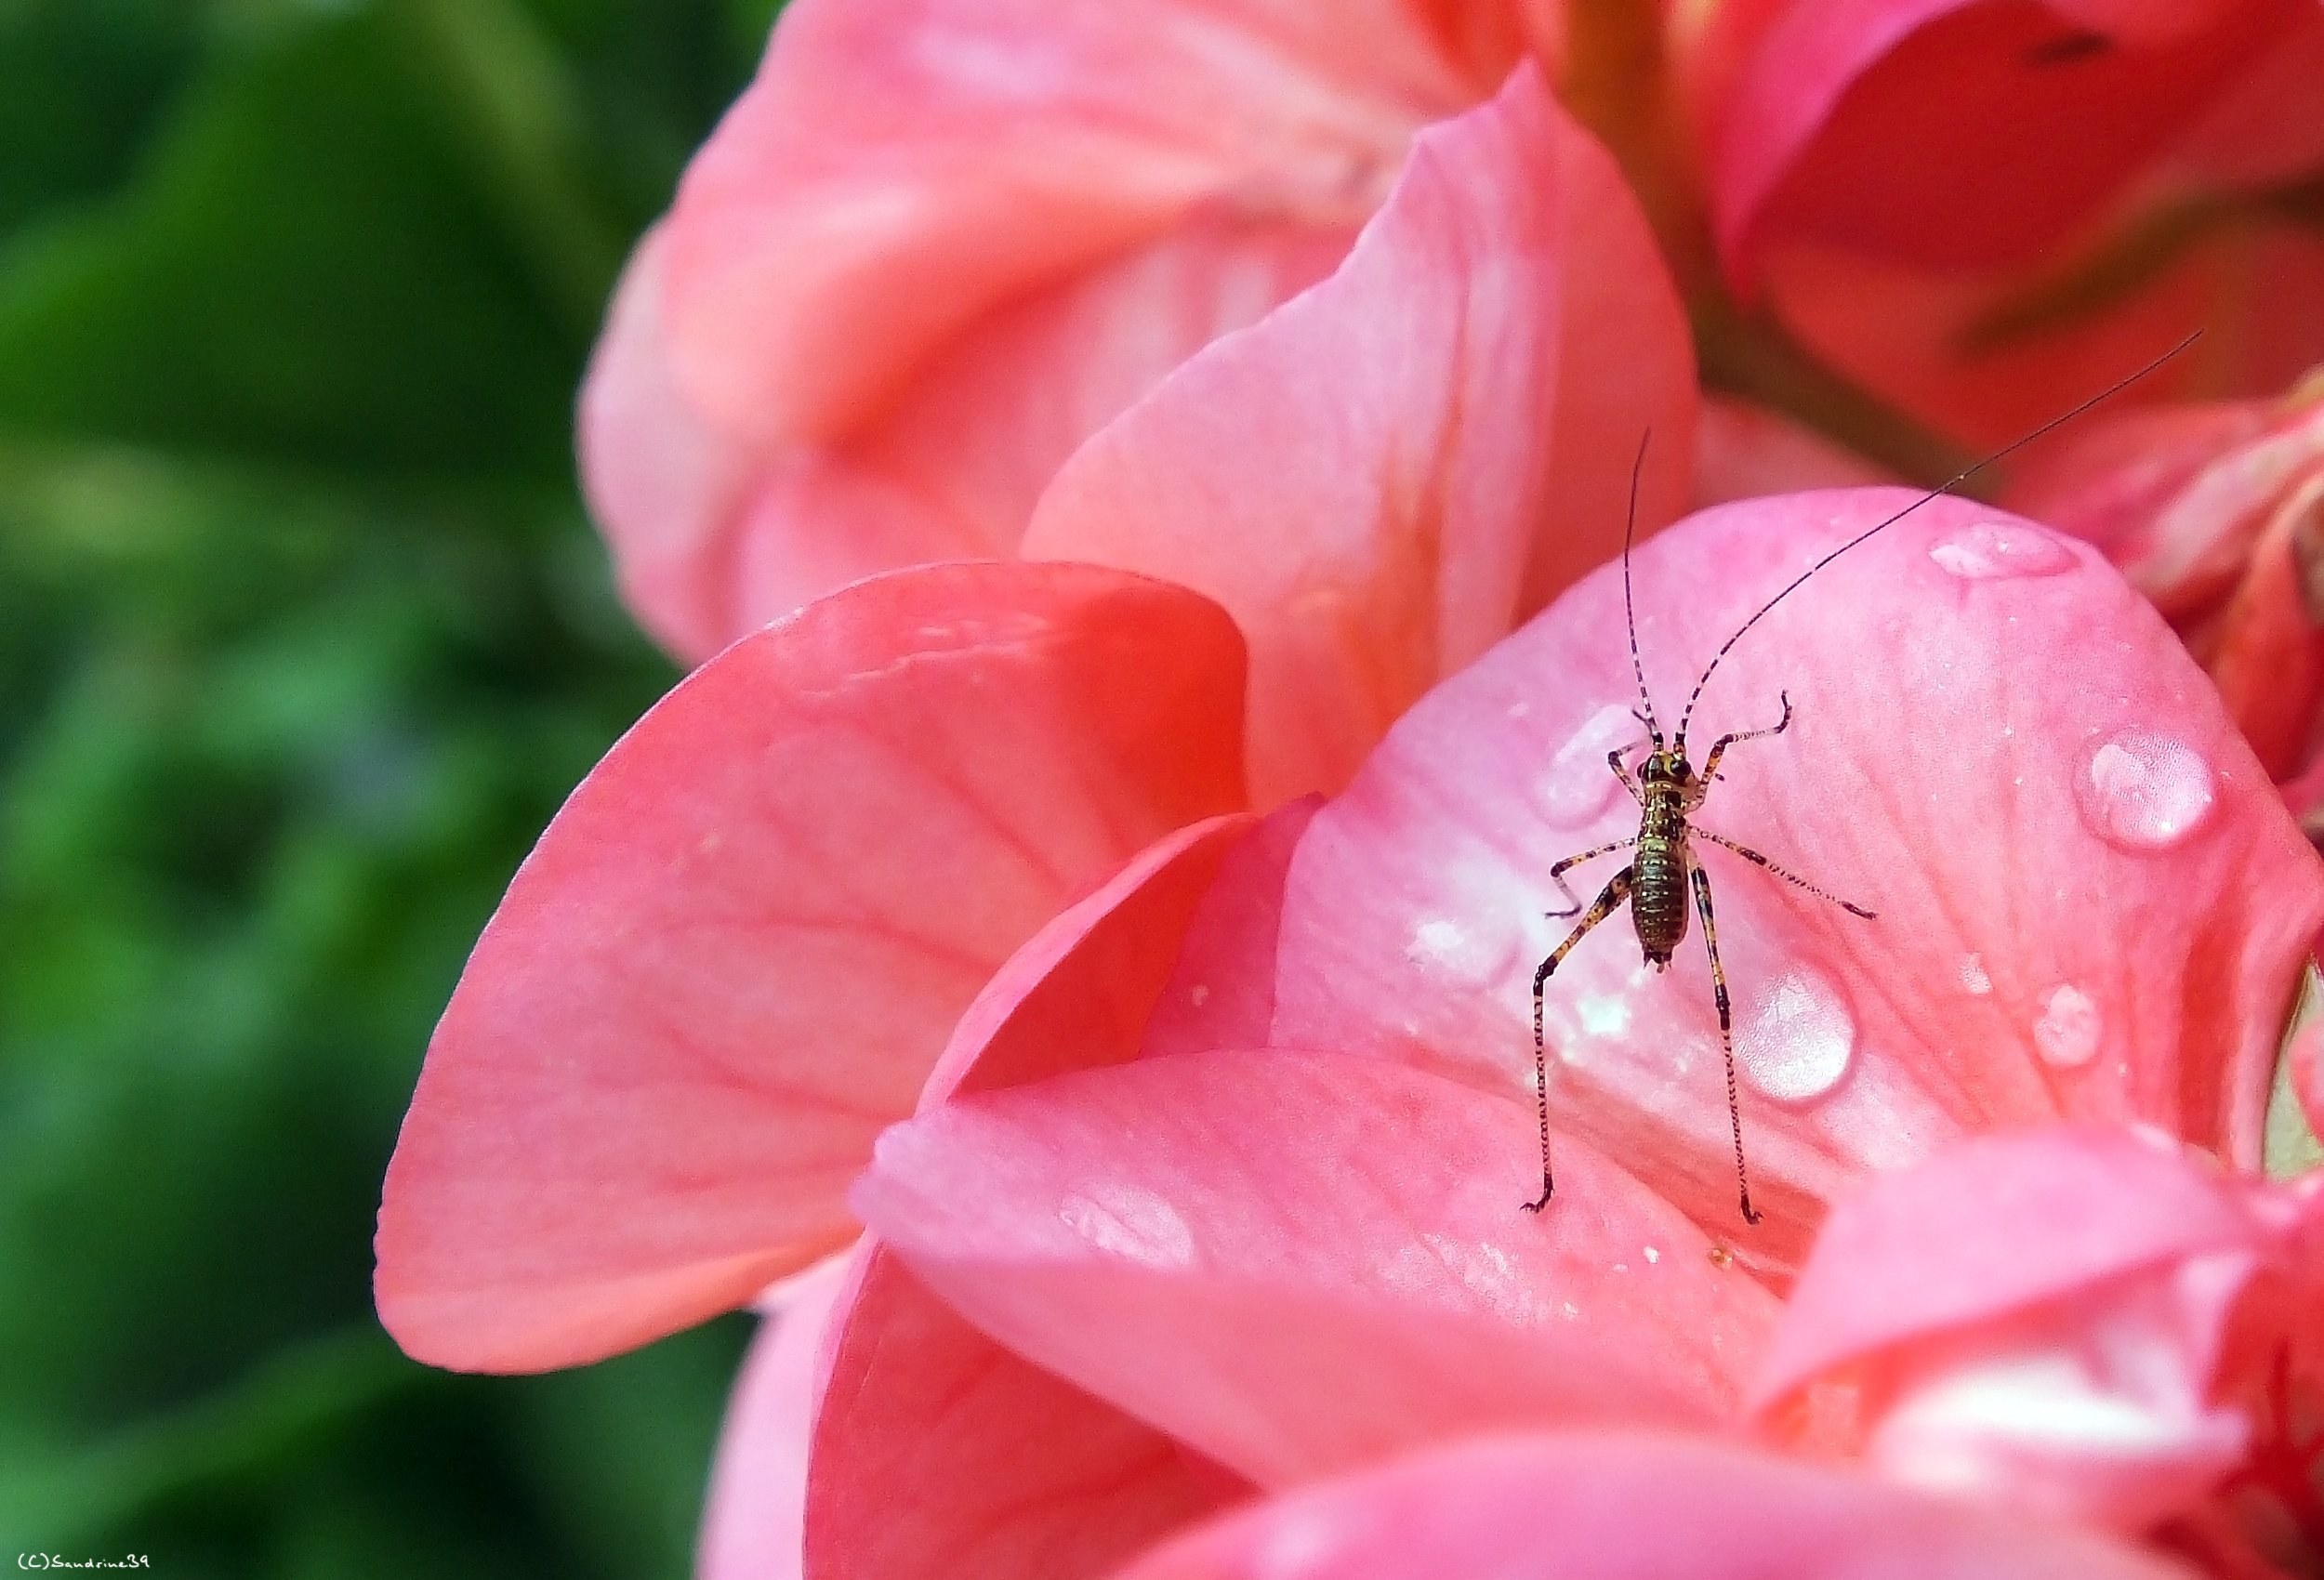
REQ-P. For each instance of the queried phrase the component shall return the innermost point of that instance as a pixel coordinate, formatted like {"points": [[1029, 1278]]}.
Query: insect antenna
{"points": [[1629, 611], [1946, 487]]}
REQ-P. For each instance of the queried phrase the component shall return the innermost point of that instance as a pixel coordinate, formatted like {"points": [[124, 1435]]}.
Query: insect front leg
{"points": [[1617, 760], [1699, 832], [1557, 876], [1726, 1036], [1609, 900], [1719, 747]]}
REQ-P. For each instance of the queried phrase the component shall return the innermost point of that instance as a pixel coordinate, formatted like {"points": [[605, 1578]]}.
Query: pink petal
{"points": [[938, 1452], [949, 469], [1607, 1506], [737, 952], [752, 1526], [1361, 478], [663, 481], [1080, 992], [939, 243], [1222, 991], [2090, 902], [901, 167], [2066, 1367], [1916, 1251], [1901, 128], [2116, 480], [1296, 1261], [1744, 451]]}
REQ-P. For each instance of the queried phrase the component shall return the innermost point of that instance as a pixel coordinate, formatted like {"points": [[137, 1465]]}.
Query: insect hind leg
{"points": [[1726, 1038], [1608, 902]]}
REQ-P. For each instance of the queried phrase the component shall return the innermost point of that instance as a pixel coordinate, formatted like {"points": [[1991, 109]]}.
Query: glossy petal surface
{"points": [[1365, 477], [1617, 1507], [739, 949], [1296, 1261], [2090, 904], [936, 1451], [2068, 1368]]}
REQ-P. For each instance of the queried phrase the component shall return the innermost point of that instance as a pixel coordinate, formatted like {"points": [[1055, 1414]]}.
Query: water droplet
{"points": [[1471, 953], [1201, 994], [1794, 1044], [1131, 1223], [1986, 551], [1652, 1255], [2146, 791], [1578, 784], [2070, 1026], [1973, 976]]}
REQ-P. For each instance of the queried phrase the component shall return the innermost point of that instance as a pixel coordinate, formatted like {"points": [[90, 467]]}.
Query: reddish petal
{"points": [[1376, 524], [1901, 128], [2090, 902], [751, 1528], [1222, 993], [1080, 992], [2269, 658], [1989, 357], [2065, 1368], [949, 469], [938, 1452], [1744, 452], [1626, 1506], [737, 952], [1296, 1261], [2306, 1054]]}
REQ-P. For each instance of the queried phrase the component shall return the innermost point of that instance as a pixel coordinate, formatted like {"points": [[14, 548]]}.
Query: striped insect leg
{"points": [[1608, 902], [1726, 1037]]}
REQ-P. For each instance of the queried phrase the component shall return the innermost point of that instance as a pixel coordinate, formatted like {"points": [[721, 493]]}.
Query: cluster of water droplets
{"points": [[2139, 789]]}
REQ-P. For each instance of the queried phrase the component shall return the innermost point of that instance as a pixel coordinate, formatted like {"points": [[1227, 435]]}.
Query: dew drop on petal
{"points": [[1795, 1042], [1973, 976], [1130, 1222], [2067, 1032], [1987, 551], [1578, 784], [2143, 790], [1476, 954]]}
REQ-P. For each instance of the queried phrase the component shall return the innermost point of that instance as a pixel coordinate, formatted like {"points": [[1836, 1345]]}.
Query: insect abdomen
{"points": [[1657, 899]]}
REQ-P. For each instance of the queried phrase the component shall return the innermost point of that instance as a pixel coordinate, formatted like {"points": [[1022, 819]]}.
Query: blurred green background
{"points": [[303, 634]]}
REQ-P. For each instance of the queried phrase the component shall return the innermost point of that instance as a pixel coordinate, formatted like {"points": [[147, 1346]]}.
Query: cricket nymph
{"points": [[1664, 873]]}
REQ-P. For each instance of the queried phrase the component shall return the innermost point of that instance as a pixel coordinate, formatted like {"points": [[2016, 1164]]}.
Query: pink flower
{"points": [[1295, 1263], [2216, 512], [745, 943], [2150, 1360], [1982, 212], [939, 242]]}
